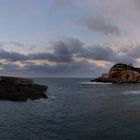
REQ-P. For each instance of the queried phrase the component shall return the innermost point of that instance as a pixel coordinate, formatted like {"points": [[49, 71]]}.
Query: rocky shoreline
{"points": [[120, 73], [20, 89]]}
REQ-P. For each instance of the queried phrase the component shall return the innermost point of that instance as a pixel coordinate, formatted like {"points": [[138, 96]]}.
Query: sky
{"points": [[67, 38]]}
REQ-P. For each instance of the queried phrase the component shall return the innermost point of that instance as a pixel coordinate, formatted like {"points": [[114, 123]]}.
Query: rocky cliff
{"points": [[20, 89], [121, 73]]}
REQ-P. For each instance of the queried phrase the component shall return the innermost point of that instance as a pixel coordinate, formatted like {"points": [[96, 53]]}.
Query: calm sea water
{"points": [[75, 110]]}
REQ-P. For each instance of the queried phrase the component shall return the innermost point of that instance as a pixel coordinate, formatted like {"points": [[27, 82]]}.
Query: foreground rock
{"points": [[120, 73], [20, 89]]}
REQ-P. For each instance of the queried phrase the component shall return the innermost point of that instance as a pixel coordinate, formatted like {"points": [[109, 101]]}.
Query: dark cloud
{"points": [[68, 69], [101, 25], [71, 57], [73, 69], [61, 54], [12, 56], [97, 52], [68, 50], [63, 51]]}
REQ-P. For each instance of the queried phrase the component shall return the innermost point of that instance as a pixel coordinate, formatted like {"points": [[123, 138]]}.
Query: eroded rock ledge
{"points": [[20, 89], [120, 73]]}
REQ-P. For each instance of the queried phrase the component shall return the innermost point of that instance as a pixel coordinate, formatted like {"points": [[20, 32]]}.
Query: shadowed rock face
{"points": [[121, 73], [20, 89]]}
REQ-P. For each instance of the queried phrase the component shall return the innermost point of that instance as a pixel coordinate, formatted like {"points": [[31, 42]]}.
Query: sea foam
{"points": [[95, 83], [134, 92]]}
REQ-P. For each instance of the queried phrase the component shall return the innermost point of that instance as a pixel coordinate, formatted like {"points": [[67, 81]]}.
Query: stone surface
{"points": [[20, 89], [121, 73]]}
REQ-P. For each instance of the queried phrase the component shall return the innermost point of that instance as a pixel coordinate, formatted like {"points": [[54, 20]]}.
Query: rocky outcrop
{"points": [[20, 89], [121, 73]]}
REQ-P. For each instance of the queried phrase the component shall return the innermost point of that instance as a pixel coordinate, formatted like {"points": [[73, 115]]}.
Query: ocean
{"points": [[76, 109]]}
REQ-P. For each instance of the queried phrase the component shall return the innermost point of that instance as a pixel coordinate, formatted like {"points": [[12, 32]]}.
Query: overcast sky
{"points": [[67, 38]]}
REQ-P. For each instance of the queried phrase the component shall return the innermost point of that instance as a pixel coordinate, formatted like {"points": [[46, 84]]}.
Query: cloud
{"points": [[12, 56], [64, 69], [14, 43], [78, 69], [63, 51], [70, 50], [67, 57], [101, 25], [136, 4], [97, 52], [56, 4], [135, 52], [64, 54]]}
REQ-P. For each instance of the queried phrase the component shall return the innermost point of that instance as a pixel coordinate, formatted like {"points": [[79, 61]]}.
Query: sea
{"points": [[76, 109]]}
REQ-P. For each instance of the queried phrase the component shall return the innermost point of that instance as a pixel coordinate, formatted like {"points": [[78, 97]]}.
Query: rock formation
{"points": [[20, 89], [121, 73]]}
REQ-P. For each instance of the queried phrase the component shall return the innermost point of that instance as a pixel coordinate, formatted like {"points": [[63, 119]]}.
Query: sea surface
{"points": [[76, 109]]}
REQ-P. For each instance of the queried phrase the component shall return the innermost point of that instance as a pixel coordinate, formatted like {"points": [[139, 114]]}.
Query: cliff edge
{"points": [[120, 73], [20, 89]]}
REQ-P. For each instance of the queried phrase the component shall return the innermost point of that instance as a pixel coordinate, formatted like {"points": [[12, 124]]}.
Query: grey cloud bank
{"points": [[69, 57], [101, 25]]}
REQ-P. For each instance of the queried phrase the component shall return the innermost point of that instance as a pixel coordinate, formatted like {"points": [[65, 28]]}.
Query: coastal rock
{"points": [[121, 73], [20, 89]]}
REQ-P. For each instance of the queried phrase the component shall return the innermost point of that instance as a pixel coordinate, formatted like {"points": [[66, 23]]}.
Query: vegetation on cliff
{"points": [[126, 67]]}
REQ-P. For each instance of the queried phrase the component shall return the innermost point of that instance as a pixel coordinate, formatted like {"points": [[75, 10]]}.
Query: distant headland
{"points": [[120, 73]]}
